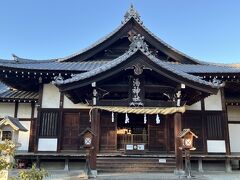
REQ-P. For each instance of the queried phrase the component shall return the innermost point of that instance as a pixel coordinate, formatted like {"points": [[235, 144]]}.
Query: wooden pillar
{"points": [[60, 122], [204, 125], [32, 129], [178, 152], [38, 117], [225, 123], [95, 126], [16, 109]]}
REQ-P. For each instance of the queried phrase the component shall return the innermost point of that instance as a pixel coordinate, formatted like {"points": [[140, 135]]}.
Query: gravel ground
{"points": [[61, 175]]}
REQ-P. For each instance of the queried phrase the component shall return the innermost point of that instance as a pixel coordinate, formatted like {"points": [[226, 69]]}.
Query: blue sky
{"points": [[204, 29]]}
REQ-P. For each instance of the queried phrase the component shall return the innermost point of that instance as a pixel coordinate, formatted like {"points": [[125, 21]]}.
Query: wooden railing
{"points": [[123, 139]]}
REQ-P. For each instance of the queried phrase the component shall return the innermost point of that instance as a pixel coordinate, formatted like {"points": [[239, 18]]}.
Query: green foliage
{"points": [[33, 174], [7, 150]]}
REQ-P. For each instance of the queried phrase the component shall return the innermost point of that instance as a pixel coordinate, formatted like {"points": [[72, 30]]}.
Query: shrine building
{"points": [[135, 92]]}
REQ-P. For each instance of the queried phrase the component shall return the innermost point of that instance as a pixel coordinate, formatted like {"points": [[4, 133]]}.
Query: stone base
{"points": [[179, 172], [83, 174]]}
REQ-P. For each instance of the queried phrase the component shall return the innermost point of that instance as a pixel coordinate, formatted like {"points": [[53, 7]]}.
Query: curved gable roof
{"points": [[137, 46]]}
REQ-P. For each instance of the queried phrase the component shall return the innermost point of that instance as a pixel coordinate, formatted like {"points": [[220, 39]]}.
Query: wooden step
{"points": [[135, 164]]}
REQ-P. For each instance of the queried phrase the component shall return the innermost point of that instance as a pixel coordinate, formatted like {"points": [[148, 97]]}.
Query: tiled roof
{"points": [[90, 65], [7, 93], [210, 68], [3, 88], [54, 65], [137, 45], [16, 122]]}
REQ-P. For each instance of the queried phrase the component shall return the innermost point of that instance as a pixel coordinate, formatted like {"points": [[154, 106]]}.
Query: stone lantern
{"points": [[9, 129], [88, 137], [187, 137]]}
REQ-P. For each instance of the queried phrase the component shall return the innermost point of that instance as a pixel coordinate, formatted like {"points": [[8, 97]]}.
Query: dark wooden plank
{"points": [[71, 131], [108, 137]]}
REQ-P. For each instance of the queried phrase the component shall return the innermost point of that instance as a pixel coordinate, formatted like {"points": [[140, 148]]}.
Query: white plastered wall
{"points": [[234, 129], [69, 104], [23, 137], [47, 144], [196, 106], [7, 109], [216, 146], [35, 112], [213, 102], [51, 96], [234, 134], [24, 110], [233, 113]]}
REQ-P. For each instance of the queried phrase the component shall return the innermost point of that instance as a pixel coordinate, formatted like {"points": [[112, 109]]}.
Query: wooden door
{"points": [[71, 131], [156, 134], [108, 132]]}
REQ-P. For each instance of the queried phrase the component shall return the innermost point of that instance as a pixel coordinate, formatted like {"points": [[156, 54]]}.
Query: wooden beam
{"points": [[178, 152], [16, 109], [95, 126], [225, 123]]}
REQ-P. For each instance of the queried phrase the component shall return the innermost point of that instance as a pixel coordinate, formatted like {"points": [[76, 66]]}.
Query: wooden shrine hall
{"points": [[135, 92]]}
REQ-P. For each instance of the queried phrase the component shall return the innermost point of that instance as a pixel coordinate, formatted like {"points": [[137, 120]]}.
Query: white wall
{"points": [[213, 102], [24, 110], [233, 113], [216, 146], [23, 137], [7, 109], [234, 134], [69, 104], [196, 106], [234, 129], [35, 112], [51, 96], [47, 144]]}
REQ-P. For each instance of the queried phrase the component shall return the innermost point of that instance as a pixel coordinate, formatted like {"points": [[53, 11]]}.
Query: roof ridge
{"points": [[18, 59]]}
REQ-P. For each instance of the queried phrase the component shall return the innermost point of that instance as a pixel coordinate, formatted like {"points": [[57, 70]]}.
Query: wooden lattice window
{"points": [[214, 123], [49, 123]]}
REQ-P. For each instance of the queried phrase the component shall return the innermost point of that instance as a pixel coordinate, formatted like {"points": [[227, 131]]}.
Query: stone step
{"points": [[135, 164]]}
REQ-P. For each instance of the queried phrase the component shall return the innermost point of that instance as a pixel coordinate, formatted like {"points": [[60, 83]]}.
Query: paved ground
{"points": [[72, 175], [144, 176]]}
